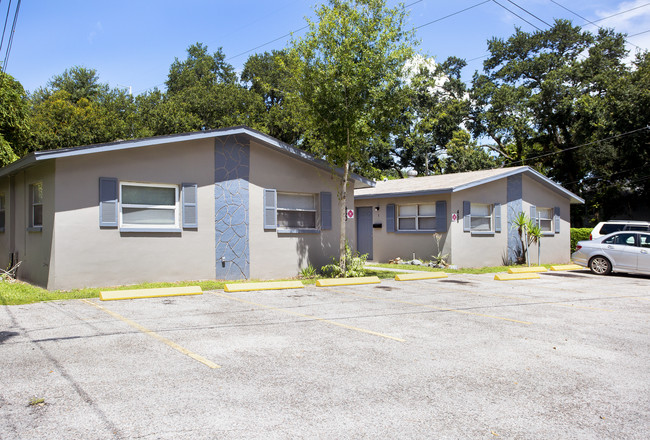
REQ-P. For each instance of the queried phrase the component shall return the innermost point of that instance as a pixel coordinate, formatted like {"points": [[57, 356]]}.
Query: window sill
{"points": [[298, 231], [165, 230], [35, 229], [485, 233], [548, 234]]}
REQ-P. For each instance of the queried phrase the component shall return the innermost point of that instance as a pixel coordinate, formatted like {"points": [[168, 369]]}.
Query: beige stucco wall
{"points": [[389, 245], [474, 250], [87, 255], [555, 248], [32, 246], [5, 235], [274, 254]]}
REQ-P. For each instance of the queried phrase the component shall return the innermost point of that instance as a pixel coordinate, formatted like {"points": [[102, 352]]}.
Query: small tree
{"points": [[348, 73], [529, 233]]}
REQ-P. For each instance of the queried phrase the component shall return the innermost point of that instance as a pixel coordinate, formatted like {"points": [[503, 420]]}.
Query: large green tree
{"points": [[75, 108], [203, 93], [348, 73], [548, 99], [14, 124]]}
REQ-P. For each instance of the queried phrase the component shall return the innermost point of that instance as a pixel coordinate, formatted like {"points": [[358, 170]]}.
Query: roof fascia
{"points": [[425, 192]]}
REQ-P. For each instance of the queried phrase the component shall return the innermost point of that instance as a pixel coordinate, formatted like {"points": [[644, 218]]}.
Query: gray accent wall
{"points": [[231, 196], [515, 206]]}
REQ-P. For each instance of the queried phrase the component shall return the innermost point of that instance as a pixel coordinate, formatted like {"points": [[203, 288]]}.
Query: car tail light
{"points": [[578, 247], [591, 237]]}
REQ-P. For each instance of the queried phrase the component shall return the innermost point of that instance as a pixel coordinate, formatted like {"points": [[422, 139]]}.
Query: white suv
{"points": [[604, 228]]}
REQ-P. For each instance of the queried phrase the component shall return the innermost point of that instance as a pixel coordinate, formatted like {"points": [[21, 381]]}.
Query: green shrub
{"points": [[354, 265], [578, 234]]}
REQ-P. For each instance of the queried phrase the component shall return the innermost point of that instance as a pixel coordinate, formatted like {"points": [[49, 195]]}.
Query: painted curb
{"points": [[329, 282], [534, 269], [516, 276], [418, 276], [567, 267], [111, 295], [270, 285]]}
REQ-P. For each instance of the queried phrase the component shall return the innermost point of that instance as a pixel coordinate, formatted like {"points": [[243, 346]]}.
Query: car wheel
{"points": [[600, 265]]}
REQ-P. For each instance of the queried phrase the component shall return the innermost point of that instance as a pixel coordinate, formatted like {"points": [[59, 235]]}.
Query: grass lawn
{"points": [[14, 293]]}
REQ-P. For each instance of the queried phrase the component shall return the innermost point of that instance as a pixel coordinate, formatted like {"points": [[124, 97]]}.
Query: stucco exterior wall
{"points": [[275, 254], [478, 250], [5, 240], [31, 246], [389, 245], [87, 255], [555, 247]]}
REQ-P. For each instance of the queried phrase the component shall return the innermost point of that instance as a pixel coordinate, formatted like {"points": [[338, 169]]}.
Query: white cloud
{"points": [[97, 29], [632, 22]]}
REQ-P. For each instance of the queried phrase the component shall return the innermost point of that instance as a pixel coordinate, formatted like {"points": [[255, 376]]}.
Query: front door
{"points": [[364, 231]]}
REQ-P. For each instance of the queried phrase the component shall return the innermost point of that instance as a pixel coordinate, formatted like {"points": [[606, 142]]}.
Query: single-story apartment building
{"points": [[222, 204], [473, 212]]}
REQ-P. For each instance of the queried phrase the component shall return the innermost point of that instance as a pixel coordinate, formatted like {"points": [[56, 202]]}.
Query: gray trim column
{"points": [[231, 195], [515, 206]]}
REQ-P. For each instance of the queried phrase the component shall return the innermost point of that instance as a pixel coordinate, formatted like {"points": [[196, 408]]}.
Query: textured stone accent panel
{"points": [[515, 206], [231, 222]]}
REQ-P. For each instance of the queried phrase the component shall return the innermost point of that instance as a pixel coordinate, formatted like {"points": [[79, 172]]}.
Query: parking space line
{"points": [[153, 334], [316, 318], [464, 312]]}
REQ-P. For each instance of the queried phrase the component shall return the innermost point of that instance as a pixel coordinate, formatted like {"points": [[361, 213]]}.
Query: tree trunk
{"points": [[343, 214]]}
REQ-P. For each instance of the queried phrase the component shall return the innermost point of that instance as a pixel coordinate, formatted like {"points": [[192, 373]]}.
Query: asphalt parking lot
{"points": [[566, 356]]}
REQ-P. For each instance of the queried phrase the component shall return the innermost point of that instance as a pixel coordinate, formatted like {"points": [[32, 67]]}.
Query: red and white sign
{"points": [[454, 217], [350, 213]]}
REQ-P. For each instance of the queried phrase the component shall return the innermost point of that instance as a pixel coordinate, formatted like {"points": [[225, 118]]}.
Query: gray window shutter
{"points": [[556, 218], [108, 204], [326, 210], [467, 216], [497, 217], [441, 216], [190, 206], [390, 217], [270, 209], [533, 214]]}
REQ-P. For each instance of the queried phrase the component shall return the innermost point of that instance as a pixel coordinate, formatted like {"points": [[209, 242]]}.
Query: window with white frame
{"points": [[148, 206], [36, 205], [296, 211], [2, 212], [416, 217], [481, 217], [545, 219]]}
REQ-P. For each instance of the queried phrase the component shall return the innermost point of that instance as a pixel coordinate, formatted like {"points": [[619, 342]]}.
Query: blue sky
{"points": [[133, 42]]}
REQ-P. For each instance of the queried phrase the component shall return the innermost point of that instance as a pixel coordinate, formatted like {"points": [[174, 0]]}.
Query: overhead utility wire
{"points": [[627, 133], [3, 68], [594, 23], [450, 15], [5, 26], [529, 13], [517, 15]]}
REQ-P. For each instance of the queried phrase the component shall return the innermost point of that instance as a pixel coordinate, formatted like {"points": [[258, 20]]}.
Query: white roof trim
{"points": [[168, 139]]}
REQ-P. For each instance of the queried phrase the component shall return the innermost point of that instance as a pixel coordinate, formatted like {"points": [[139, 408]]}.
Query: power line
{"points": [[517, 15], [11, 38], [594, 22], [529, 13], [5, 26], [451, 15], [647, 127]]}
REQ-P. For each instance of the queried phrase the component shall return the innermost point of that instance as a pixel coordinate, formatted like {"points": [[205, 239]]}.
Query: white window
{"points": [[545, 219], [481, 217], [36, 205], [416, 217], [296, 211], [148, 206]]}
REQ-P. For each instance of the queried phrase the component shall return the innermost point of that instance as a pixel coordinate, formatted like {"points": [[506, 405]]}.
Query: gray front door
{"points": [[364, 231]]}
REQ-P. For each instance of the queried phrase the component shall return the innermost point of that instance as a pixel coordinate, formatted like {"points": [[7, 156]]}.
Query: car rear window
{"points": [[637, 228], [608, 228]]}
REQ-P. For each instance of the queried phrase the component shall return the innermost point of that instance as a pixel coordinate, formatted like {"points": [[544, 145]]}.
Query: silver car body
{"points": [[624, 251]]}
